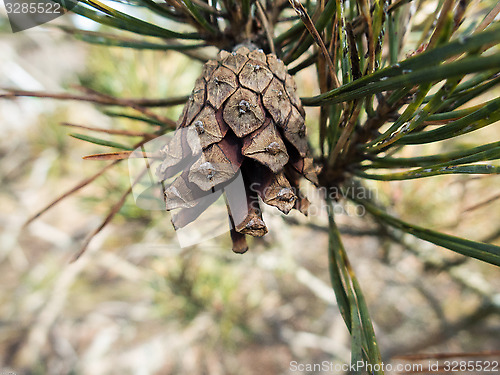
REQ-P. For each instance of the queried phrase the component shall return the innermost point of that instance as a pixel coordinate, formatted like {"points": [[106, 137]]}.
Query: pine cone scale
{"points": [[277, 102], [222, 84], [255, 76], [243, 112]]}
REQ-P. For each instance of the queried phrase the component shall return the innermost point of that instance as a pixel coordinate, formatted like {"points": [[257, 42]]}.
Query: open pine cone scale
{"points": [[244, 115]]}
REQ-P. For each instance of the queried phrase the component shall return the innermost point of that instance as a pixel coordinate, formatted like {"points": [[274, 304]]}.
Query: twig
{"points": [[333, 43], [98, 99], [129, 133], [114, 210], [74, 189], [397, 4], [36, 338], [481, 313], [344, 137], [301, 11], [120, 155], [460, 13], [370, 41], [353, 51], [446, 8], [481, 204], [210, 9], [164, 120], [323, 86], [490, 17], [346, 230], [267, 26]]}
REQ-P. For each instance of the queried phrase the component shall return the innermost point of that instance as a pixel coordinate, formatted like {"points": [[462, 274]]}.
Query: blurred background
{"points": [[137, 303]]}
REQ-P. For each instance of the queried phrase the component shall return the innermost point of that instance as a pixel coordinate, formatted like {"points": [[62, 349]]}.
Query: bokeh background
{"points": [[137, 303]]}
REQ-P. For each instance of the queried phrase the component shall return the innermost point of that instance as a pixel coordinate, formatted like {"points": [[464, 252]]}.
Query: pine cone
{"points": [[243, 115]]}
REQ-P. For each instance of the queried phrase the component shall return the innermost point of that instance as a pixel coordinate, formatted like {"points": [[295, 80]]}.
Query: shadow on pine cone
{"points": [[243, 115]]}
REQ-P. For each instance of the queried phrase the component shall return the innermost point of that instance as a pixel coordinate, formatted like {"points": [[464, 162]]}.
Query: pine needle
{"points": [[71, 191], [114, 210]]}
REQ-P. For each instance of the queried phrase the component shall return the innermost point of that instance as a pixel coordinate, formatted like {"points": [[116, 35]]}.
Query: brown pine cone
{"points": [[243, 115]]}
